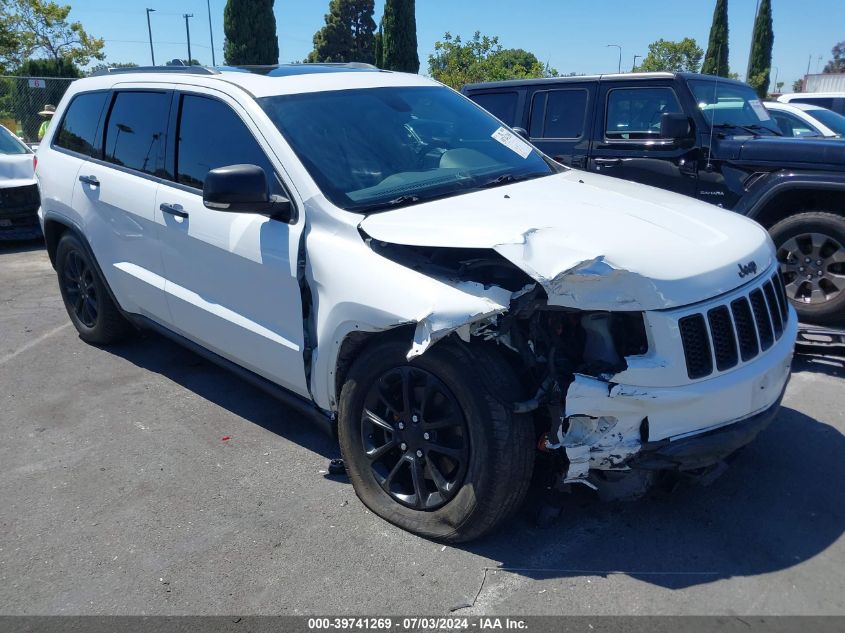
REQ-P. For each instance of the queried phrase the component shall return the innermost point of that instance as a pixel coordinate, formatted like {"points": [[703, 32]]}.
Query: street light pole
{"points": [[619, 70], [636, 57], [150, 31], [210, 33], [188, 31]]}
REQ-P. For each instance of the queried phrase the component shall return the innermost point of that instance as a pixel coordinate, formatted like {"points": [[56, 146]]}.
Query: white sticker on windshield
{"points": [[759, 110], [512, 142]]}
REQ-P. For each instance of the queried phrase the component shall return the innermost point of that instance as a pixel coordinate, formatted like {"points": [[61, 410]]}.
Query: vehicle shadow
{"points": [[780, 503], [21, 246], [819, 363], [158, 354]]}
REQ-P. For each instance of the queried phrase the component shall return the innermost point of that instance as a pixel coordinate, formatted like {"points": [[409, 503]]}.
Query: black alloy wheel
{"points": [[415, 437], [80, 289]]}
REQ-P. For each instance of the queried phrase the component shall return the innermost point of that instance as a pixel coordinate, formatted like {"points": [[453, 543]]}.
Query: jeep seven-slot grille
{"points": [[726, 334]]}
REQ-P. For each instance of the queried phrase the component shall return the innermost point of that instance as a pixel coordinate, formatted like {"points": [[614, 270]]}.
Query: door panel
{"points": [[120, 224], [231, 277], [116, 196], [627, 142], [560, 123]]}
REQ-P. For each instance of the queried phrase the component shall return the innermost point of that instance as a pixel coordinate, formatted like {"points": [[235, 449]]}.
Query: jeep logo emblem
{"points": [[747, 269]]}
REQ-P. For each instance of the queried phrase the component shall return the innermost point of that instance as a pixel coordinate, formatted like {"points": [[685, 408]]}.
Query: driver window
{"points": [[635, 113], [791, 125]]}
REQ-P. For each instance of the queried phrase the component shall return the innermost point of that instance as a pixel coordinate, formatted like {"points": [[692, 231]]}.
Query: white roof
{"points": [[264, 85]]}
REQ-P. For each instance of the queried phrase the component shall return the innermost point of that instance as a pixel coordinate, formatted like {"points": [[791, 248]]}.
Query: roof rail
{"points": [[334, 64], [188, 70]]}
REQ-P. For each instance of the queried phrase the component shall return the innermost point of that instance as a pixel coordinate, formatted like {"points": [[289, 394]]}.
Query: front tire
{"points": [[431, 445], [86, 298], [811, 252]]}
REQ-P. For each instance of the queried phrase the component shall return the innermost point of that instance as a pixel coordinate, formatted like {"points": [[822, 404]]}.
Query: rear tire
{"points": [[811, 251], [461, 390], [86, 298]]}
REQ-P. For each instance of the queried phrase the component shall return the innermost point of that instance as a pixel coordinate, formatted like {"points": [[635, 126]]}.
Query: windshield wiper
{"points": [[753, 129], [505, 179]]}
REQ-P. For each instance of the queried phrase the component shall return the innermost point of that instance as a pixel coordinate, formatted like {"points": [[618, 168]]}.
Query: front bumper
{"points": [[706, 449], [611, 426]]}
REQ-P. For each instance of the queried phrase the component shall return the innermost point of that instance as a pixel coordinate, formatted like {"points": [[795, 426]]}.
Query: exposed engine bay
{"points": [[549, 347]]}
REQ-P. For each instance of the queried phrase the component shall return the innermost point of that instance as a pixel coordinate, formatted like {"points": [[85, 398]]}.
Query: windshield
{"points": [[727, 105], [9, 143], [833, 120], [376, 148]]}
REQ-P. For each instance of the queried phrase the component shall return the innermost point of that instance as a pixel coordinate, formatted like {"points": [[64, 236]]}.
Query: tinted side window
{"points": [[211, 135], [79, 125], [501, 105], [558, 114], [136, 131], [791, 125], [825, 102], [634, 113]]}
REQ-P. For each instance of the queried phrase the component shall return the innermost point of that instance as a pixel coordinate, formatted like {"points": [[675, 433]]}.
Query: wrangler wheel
{"points": [[811, 253]]}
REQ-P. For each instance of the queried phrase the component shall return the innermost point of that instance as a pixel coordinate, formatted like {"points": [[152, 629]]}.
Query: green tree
{"points": [[798, 85], [349, 33], [837, 62], [100, 67], [378, 47], [716, 59], [249, 28], [400, 36], [456, 63], [760, 63], [40, 29], [25, 102], [665, 55]]}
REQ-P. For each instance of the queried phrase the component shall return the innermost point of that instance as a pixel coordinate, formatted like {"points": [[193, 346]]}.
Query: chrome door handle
{"points": [[608, 162], [173, 209], [90, 180]]}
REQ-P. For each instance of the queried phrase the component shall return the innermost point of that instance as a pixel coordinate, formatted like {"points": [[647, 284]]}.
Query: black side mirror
{"points": [[243, 189], [675, 125], [521, 131]]}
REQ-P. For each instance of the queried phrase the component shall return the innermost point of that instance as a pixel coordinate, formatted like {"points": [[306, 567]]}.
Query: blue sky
{"points": [[570, 34]]}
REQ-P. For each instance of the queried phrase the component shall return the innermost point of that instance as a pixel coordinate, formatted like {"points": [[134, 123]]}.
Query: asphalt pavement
{"points": [[140, 479]]}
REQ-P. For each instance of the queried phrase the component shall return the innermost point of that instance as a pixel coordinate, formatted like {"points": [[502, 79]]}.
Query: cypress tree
{"points": [[760, 64], [349, 33], [399, 41], [379, 47], [716, 59], [250, 30]]}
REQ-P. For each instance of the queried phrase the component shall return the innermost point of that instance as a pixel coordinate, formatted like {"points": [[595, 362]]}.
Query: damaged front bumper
{"points": [[620, 427], [706, 449]]}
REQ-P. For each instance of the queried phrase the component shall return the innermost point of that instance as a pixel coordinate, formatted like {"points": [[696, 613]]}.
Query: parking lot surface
{"points": [[141, 479]]}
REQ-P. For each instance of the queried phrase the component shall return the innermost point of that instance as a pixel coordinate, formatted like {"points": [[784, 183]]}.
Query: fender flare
{"points": [[754, 204]]}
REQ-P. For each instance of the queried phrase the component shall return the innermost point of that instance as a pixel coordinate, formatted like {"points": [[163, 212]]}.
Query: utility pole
{"points": [[210, 32], [636, 57], [150, 31], [188, 31], [619, 70]]}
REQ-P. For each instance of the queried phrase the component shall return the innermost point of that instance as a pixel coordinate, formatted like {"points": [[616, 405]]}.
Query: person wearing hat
{"points": [[47, 113]]}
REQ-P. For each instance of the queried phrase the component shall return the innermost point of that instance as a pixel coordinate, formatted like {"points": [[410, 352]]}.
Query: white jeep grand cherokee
{"points": [[379, 250]]}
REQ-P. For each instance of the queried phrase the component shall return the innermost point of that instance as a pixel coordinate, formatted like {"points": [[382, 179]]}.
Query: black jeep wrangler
{"points": [[702, 136]]}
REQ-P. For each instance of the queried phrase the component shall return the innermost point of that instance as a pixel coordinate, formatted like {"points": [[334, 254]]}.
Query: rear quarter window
{"points": [[78, 129], [501, 105]]}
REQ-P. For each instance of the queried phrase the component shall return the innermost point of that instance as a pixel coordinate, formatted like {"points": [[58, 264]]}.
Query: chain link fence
{"points": [[21, 100]]}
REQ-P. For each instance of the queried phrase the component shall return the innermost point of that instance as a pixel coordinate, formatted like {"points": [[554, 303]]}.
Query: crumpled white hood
{"points": [[594, 242], [16, 170]]}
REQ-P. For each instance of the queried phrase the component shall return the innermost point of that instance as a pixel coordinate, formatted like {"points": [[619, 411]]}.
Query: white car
{"points": [[381, 252], [19, 199], [831, 100], [806, 121]]}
